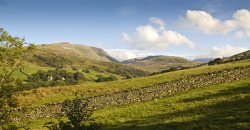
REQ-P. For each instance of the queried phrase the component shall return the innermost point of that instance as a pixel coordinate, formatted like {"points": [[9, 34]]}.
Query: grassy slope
{"points": [[32, 68], [238, 57], [224, 106], [58, 94], [79, 56], [159, 63], [71, 52], [92, 75]]}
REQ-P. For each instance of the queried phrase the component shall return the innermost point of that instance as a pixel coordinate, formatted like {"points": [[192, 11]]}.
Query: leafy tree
{"points": [[12, 51], [57, 77], [76, 116]]}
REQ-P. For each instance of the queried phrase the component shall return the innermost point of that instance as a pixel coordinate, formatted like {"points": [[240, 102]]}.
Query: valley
{"points": [[139, 88], [124, 65]]}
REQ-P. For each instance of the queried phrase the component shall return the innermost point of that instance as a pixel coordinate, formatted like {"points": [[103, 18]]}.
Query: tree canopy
{"points": [[12, 51]]}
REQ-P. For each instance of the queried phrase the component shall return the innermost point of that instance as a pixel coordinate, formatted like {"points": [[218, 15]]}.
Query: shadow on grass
{"points": [[230, 92], [233, 113]]}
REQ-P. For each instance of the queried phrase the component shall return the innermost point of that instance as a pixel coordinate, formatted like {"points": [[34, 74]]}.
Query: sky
{"points": [[134, 28]]}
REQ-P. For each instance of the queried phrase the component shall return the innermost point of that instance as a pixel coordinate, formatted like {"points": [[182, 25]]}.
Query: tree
{"points": [[76, 116], [215, 61], [12, 52]]}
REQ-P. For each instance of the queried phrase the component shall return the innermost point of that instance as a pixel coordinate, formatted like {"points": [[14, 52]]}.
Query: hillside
{"points": [[92, 62], [159, 63], [238, 57], [197, 108], [41, 96], [207, 108], [66, 53]]}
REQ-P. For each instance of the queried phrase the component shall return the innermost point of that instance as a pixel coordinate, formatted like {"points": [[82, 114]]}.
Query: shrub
{"points": [[101, 78], [77, 116], [55, 77]]}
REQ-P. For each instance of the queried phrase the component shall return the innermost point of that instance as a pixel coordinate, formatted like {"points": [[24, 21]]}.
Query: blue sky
{"points": [[131, 28]]}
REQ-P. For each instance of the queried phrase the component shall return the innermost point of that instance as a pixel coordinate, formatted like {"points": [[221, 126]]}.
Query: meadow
{"points": [[41, 96], [223, 106]]}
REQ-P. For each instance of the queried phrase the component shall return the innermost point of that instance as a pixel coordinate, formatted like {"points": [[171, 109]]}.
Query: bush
{"points": [[104, 79], [55, 77], [77, 116], [215, 61]]}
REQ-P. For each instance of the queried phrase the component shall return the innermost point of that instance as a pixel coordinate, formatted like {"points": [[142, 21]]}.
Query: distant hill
{"points": [[67, 53], [203, 60], [91, 61], [238, 57], [159, 63]]}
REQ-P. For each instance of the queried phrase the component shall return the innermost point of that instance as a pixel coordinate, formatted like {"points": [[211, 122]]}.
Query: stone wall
{"points": [[149, 92], [168, 88]]}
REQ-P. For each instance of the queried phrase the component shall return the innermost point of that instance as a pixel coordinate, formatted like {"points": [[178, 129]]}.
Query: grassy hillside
{"points": [[90, 61], [225, 106], [211, 107], [237, 57], [66, 53], [159, 63], [58, 94]]}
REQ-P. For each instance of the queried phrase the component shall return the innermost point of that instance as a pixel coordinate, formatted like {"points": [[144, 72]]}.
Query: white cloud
{"points": [[242, 17], [157, 21], [214, 52], [208, 24], [150, 37], [225, 51], [125, 54], [203, 21]]}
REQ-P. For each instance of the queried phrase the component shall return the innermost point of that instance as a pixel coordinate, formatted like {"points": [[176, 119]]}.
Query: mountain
{"points": [[90, 61], [66, 53], [203, 60], [238, 57], [159, 63]]}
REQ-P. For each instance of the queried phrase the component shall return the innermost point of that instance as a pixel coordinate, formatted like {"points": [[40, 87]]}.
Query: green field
{"points": [[224, 106], [33, 68], [41, 96]]}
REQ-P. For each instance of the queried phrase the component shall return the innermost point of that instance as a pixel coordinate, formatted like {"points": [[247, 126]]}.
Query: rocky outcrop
{"points": [[149, 92]]}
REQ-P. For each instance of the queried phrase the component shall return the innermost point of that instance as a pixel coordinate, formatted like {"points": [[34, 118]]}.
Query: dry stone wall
{"points": [[149, 92], [168, 88]]}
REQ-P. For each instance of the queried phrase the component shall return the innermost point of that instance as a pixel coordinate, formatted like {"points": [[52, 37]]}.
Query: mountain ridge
{"points": [[69, 53], [159, 62]]}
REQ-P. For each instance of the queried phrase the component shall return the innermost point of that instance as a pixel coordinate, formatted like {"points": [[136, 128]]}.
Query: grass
{"points": [[224, 106], [30, 69], [41, 96], [33, 68]]}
